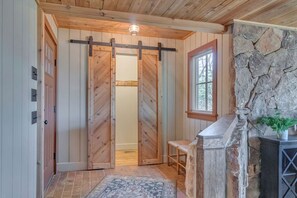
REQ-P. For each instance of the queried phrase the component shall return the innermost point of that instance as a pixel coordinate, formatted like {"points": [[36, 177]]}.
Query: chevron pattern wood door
{"points": [[149, 132], [101, 102]]}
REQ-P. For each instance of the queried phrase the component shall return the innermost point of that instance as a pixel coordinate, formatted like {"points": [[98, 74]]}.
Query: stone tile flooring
{"points": [[80, 183]]}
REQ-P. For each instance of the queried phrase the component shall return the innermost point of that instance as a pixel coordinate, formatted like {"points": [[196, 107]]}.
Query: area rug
{"points": [[116, 186]]}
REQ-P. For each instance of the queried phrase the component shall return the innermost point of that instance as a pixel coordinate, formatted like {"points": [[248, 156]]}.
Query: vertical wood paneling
{"points": [[197, 123], [117, 37], [1, 103], [171, 75], [83, 96], [227, 54], [7, 103], [145, 40], [127, 39], [135, 40], [18, 68], [192, 126], [33, 128], [186, 120], [219, 73], [74, 95], [164, 91], [63, 96], [179, 102], [106, 37], [97, 36], [18, 141], [193, 122], [25, 135], [67, 68]]}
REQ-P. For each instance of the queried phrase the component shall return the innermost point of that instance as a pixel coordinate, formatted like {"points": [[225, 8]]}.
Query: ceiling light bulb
{"points": [[134, 29]]}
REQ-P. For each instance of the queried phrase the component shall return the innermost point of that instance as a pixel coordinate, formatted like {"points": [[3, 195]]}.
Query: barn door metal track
{"points": [[113, 44]]}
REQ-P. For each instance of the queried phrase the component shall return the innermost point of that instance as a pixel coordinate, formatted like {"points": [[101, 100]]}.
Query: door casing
{"points": [[44, 26]]}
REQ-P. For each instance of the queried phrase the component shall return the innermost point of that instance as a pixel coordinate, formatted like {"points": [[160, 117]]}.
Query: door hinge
{"points": [[55, 109], [54, 156], [55, 62]]}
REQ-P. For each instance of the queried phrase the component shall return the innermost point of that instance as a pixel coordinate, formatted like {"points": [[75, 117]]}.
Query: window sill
{"points": [[202, 116]]}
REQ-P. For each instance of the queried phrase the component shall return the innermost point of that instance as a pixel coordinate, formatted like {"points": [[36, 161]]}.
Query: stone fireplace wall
{"points": [[266, 79]]}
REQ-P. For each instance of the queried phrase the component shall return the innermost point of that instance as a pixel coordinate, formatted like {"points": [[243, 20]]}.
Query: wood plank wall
{"points": [[72, 93], [224, 96], [18, 137]]}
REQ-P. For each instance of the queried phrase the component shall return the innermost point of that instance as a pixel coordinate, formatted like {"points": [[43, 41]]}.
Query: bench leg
{"points": [[177, 159], [168, 154]]}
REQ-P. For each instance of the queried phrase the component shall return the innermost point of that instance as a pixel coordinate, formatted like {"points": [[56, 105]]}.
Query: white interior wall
{"points": [[126, 118], [72, 93], [18, 137], [126, 67], [126, 103]]}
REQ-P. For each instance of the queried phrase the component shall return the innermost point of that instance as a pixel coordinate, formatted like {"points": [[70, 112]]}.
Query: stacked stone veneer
{"points": [[265, 79]]}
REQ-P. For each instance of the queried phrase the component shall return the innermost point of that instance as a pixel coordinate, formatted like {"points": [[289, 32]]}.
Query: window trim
{"points": [[208, 116]]}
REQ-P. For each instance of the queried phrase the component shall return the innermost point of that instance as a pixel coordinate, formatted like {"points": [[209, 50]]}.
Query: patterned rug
{"points": [[116, 186]]}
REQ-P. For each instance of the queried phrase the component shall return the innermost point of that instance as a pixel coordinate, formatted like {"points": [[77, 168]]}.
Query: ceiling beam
{"points": [[141, 19]]}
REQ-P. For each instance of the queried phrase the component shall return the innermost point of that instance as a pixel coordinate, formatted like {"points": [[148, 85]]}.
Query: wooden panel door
{"points": [[149, 132], [49, 107], [101, 107]]}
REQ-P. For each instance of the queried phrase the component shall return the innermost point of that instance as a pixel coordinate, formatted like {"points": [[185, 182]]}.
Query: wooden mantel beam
{"points": [[141, 19]]}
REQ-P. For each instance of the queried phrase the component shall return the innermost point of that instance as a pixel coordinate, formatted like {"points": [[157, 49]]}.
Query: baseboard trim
{"points": [[71, 166], [76, 166], [127, 146]]}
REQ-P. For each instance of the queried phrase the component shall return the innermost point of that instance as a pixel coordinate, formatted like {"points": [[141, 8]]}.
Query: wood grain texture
{"points": [[40, 102], [127, 83], [118, 27], [149, 131], [49, 105], [211, 155], [279, 12], [127, 17], [174, 70], [126, 158], [101, 103]]}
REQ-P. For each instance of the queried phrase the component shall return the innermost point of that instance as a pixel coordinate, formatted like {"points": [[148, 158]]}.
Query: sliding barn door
{"points": [[101, 102], [149, 132]]}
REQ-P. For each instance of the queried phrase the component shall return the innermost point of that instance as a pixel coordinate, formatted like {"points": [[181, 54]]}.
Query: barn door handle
{"points": [[45, 122]]}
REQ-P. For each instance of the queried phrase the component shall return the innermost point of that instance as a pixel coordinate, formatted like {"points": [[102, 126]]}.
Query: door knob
{"points": [[45, 122]]}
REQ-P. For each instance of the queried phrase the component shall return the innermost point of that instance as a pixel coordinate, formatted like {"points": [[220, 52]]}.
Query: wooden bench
{"points": [[181, 148]]}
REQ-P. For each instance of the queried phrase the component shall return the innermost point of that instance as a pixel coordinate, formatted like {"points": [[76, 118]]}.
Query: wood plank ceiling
{"points": [[118, 27], [278, 12]]}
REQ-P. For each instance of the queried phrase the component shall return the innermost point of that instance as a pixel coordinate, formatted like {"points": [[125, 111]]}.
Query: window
{"points": [[202, 82]]}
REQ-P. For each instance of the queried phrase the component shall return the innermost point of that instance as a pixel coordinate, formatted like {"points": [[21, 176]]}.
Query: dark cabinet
{"points": [[278, 167]]}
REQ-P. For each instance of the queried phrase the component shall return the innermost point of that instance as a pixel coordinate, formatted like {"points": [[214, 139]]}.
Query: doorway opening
{"points": [[126, 106]]}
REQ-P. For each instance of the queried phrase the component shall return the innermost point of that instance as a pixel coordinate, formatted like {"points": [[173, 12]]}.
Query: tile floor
{"points": [[79, 183]]}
